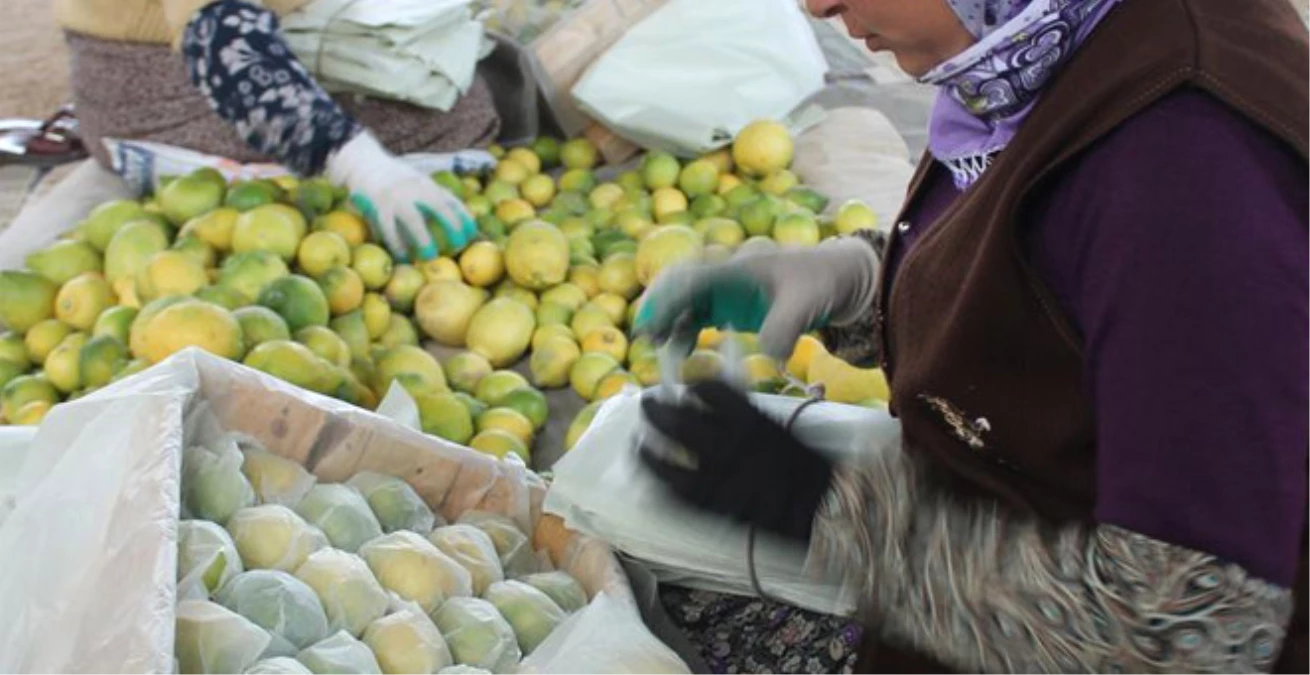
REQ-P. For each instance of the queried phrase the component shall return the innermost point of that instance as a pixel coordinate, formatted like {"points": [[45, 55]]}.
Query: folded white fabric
{"points": [[523, 20], [423, 52]]}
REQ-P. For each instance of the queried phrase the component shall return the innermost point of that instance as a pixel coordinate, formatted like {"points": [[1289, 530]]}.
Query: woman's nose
{"points": [[824, 9]]}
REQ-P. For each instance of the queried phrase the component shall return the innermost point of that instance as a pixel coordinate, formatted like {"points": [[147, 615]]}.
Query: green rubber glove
{"points": [[779, 294], [401, 204]]}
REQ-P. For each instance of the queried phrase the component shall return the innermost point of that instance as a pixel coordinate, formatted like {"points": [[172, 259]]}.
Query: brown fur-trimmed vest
{"points": [[974, 343]]}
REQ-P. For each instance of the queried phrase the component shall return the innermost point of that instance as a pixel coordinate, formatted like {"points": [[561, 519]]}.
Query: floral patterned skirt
{"points": [[738, 634]]}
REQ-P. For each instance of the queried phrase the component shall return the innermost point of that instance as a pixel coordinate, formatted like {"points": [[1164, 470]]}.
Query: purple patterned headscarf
{"points": [[986, 91]]}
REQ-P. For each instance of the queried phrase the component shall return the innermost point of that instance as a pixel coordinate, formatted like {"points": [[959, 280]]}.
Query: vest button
{"points": [[903, 226]]}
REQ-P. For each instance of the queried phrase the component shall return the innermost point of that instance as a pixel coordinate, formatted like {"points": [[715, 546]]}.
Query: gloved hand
{"points": [[398, 200], [748, 467], [780, 294]]}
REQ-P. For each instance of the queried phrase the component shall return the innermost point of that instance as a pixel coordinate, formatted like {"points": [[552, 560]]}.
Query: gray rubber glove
{"points": [[779, 294]]}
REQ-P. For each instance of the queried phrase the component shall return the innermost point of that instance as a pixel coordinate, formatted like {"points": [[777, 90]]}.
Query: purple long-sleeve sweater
{"points": [[1177, 245]]}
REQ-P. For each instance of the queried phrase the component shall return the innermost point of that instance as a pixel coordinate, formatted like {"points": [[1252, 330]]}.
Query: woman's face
{"points": [[920, 33]]}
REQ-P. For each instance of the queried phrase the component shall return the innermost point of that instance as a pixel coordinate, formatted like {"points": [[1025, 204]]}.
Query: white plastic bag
{"points": [[582, 644], [478, 635], [339, 653], [406, 641], [395, 504], [473, 550], [214, 639], [279, 603], [107, 578], [351, 595], [694, 73], [142, 163], [342, 513], [602, 489], [512, 545], [206, 558]]}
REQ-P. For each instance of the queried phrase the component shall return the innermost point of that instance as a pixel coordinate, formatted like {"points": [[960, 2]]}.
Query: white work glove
{"points": [[781, 294], [399, 200]]}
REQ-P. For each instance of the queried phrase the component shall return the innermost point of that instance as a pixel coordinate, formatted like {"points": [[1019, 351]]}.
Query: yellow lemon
{"points": [[845, 383], [23, 390], [441, 269], [321, 251], [647, 371], [614, 383], [343, 288], [214, 228], [482, 264], [698, 178], [605, 195], [501, 331], [42, 338], [525, 158], [668, 201], [779, 182], [727, 183], [544, 333], [31, 414], [406, 281], [614, 305], [345, 224], [618, 275], [798, 365], [271, 227], [377, 314], [796, 229], [125, 291], [590, 317], [667, 246], [702, 365], [514, 211], [499, 444], [552, 360], [170, 273], [373, 264], [578, 153], [511, 172], [326, 344], [507, 420], [761, 370], [537, 256], [493, 388], [81, 300], [530, 402], [444, 310], [855, 215], [578, 427], [607, 340], [763, 147], [721, 159], [589, 370], [198, 324], [465, 370], [408, 359], [63, 364], [586, 277], [538, 190], [132, 247]]}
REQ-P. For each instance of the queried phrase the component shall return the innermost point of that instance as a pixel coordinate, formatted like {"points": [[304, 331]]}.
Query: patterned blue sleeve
{"points": [[241, 64]]}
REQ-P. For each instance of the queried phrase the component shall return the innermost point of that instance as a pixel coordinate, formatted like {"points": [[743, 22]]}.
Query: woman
{"points": [[1093, 314], [237, 91]]}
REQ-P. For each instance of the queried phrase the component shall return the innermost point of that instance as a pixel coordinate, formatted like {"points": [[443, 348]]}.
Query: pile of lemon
{"points": [[282, 275]]}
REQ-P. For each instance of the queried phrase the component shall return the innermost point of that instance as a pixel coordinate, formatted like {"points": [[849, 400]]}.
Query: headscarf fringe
{"points": [[968, 169]]}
